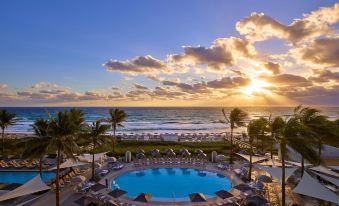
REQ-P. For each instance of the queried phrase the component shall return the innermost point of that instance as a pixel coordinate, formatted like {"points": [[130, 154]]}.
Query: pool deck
{"points": [[68, 194], [208, 167]]}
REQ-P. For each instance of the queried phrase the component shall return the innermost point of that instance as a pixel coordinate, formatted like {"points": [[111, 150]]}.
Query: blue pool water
{"points": [[168, 184], [23, 177]]}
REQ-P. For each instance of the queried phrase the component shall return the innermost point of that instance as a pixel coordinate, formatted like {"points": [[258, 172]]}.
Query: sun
{"points": [[256, 86]]}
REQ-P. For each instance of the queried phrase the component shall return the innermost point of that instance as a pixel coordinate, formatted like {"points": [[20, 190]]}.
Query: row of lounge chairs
{"points": [[29, 164], [224, 166], [66, 177], [170, 161]]}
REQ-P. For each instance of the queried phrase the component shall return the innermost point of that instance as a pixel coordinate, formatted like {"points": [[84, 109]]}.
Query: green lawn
{"points": [[133, 146]]}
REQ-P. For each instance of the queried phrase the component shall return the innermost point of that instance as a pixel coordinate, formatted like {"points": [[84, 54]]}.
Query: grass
{"points": [[147, 146]]}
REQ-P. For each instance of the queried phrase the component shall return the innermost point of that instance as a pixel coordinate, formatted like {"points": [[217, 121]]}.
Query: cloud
{"points": [[59, 94], [222, 53], [273, 67], [154, 77], [188, 88], [3, 86], [116, 95], [323, 75], [163, 92], [287, 80], [41, 85], [258, 26], [139, 86], [322, 52], [139, 65], [228, 82], [311, 95]]}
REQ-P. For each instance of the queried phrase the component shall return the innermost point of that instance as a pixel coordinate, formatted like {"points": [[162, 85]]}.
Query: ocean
{"points": [[158, 119]]}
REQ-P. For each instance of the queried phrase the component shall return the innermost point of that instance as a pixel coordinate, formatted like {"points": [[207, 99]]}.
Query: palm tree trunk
{"points": [[302, 165], [231, 151], [57, 191], [3, 142], [319, 151], [40, 167], [250, 168], [93, 162], [113, 146], [283, 189], [271, 148]]}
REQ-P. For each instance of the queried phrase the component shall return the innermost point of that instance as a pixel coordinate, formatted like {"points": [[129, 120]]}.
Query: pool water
{"points": [[171, 184], [23, 177]]}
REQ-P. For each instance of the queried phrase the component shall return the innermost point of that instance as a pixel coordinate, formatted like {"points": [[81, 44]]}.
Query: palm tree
{"points": [[6, 119], [236, 119], [290, 133], [315, 123], [37, 147], [64, 129], [252, 131], [96, 132], [117, 117]]}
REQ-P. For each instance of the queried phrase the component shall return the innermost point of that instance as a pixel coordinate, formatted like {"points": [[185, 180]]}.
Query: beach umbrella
{"points": [[243, 187], [97, 164], [140, 151], [202, 155], [97, 187], [78, 179], [140, 155], [256, 200], [220, 158], [264, 178], [171, 154], [198, 151], [197, 197], [185, 153], [111, 159], [168, 150], [143, 197], [155, 153], [117, 193], [10, 187], [223, 194]]}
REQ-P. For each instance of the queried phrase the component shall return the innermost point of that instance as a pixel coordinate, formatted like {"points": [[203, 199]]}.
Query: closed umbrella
{"points": [[256, 200], [197, 197], [97, 187], [143, 197], [116, 193], [78, 179], [264, 179], [223, 194], [243, 187]]}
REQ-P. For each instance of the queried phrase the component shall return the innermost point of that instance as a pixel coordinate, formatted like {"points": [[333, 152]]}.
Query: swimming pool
{"points": [[169, 184], [23, 177]]}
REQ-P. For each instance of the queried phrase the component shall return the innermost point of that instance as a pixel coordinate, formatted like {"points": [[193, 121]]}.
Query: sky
{"points": [[169, 53]]}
